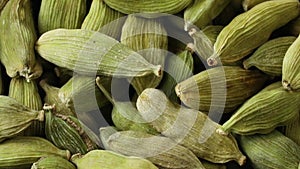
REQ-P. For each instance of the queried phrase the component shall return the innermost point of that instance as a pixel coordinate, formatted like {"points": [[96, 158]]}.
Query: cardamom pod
{"points": [[149, 38], [220, 89], [161, 151], [104, 19], [106, 159], [269, 56], [178, 68], [251, 29], [262, 113], [55, 14], [65, 132], [22, 151], [292, 130], [189, 128], [15, 117], [27, 94], [90, 53], [148, 7], [248, 4], [290, 67], [52, 162], [17, 40], [202, 12], [268, 151], [124, 114]]}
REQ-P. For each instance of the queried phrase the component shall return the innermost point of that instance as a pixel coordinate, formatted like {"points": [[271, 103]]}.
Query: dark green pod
{"points": [[53, 162]]}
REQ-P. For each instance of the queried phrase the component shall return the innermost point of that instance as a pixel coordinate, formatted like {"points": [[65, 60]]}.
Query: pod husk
{"points": [[106, 159], [148, 37], [161, 151], [216, 89], [262, 113], [55, 14], [273, 150], [22, 151], [52, 162], [18, 39], [189, 128], [269, 56], [89, 53]]}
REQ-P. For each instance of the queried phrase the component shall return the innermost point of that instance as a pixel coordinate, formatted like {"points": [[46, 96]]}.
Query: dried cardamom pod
{"points": [[104, 19], [52, 162], [248, 4], [124, 114], [22, 151], [149, 38], [189, 128], [202, 12], [290, 67], [262, 113], [251, 29], [292, 130], [17, 40], [27, 93], [106, 159], [216, 88], [178, 68], [148, 7], [90, 53], [15, 117], [161, 151], [268, 151], [55, 14], [269, 56], [66, 132]]}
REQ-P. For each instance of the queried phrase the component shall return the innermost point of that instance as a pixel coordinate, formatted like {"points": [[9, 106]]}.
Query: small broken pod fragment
{"points": [[22, 151], [66, 132], [55, 14], [104, 19], [291, 68], [92, 53], [17, 40], [269, 56], [161, 151], [53, 162], [149, 38], [188, 127], [15, 117], [269, 151], [220, 89], [251, 29], [262, 113], [106, 159], [124, 114]]}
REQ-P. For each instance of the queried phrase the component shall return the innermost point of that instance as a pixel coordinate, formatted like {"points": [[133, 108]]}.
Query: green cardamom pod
{"points": [[161, 151], [216, 88], [106, 159], [269, 151], [178, 68], [202, 12], [124, 114], [148, 7], [290, 67], [269, 56], [262, 113], [148, 37], [251, 29], [15, 117], [104, 19], [188, 127], [55, 14], [52, 162], [65, 132], [22, 151], [90, 53], [18, 39]]}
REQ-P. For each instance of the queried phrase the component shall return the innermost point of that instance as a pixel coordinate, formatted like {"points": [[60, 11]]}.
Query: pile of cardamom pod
{"points": [[181, 84]]}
